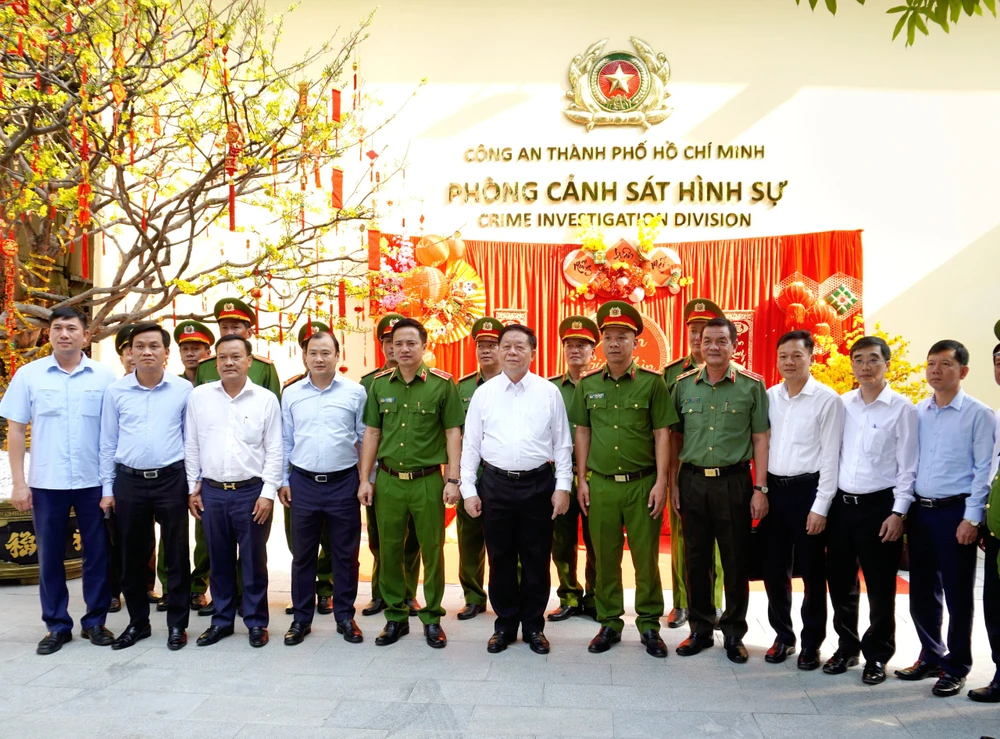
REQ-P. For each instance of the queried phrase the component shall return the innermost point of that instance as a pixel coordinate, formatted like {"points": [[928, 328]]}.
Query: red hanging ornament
{"points": [[354, 96], [145, 198], [335, 105], [255, 293], [342, 299], [337, 181], [281, 331], [173, 309], [234, 141]]}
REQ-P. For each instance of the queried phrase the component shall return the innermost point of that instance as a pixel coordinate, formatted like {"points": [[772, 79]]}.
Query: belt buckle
{"points": [[852, 499], [712, 472], [320, 478], [926, 502], [405, 475], [229, 486], [621, 478], [514, 475], [151, 474]]}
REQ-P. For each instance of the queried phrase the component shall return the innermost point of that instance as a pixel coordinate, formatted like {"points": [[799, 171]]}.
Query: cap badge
{"points": [[228, 306], [189, 329], [393, 322], [615, 312], [699, 307], [577, 325], [488, 326]]}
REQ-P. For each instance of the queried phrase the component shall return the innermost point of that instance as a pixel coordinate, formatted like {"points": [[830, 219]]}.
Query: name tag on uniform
{"points": [[691, 405], [386, 400], [595, 396]]}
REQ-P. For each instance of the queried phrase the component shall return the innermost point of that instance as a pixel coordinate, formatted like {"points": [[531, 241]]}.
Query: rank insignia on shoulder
{"points": [[265, 360], [385, 372], [593, 371], [440, 373], [748, 373], [689, 373]]}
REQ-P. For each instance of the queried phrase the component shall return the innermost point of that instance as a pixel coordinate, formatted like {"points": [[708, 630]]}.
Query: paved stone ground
{"points": [[328, 688]]}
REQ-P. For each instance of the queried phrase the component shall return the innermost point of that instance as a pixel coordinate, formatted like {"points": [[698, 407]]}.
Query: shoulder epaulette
{"points": [[440, 373], [673, 362], [207, 359], [556, 378], [259, 358], [385, 372], [293, 380], [651, 371], [592, 372], [751, 375], [690, 372], [468, 376], [369, 374]]}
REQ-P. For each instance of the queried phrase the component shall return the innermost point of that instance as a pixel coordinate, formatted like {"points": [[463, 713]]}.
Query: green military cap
{"points": [[579, 327], [486, 328], [234, 308], [996, 329], [314, 327], [385, 324], [193, 331], [619, 313], [702, 309], [123, 337]]}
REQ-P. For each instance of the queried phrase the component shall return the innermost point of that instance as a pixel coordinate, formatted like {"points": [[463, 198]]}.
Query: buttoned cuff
{"points": [[106, 490], [564, 483], [901, 505], [975, 513], [468, 490], [191, 486], [268, 491], [821, 506], [286, 481]]}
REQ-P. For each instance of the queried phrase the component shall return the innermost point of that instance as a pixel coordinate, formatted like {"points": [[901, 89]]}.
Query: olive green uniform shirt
{"points": [[366, 381], [262, 373], [675, 369], [567, 388], [413, 417], [717, 420], [466, 387], [621, 415]]}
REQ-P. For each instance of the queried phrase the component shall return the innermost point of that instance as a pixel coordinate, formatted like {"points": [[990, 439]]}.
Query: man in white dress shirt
{"points": [[807, 422], [517, 425], [233, 456], [878, 466]]}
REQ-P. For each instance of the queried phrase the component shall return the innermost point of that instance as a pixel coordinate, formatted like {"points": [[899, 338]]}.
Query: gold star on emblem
{"points": [[619, 80], [615, 312], [488, 326], [699, 307], [228, 306], [577, 325], [189, 329]]}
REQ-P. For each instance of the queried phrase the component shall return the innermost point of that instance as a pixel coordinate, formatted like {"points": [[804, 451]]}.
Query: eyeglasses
{"points": [[860, 363]]}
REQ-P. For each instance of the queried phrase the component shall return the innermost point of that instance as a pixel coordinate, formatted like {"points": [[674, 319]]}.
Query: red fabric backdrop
{"points": [[738, 274]]}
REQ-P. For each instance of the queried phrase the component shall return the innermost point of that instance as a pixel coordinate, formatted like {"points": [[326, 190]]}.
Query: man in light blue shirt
{"points": [[322, 426], [953, 482], [60, 396], [142, 475]]}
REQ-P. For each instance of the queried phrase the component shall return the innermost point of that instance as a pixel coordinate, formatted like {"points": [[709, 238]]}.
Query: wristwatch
{"points": [[901, 515], [975, 524], [761, 488], [453, 481]]}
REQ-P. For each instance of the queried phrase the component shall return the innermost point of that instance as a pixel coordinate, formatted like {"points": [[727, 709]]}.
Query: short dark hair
{"points": [[867, 342], [800, 335], [720, 321], [336, 344], [410, 323], [233, 337], [950, 345], [519, 328], [144, 328], [68, 311]]}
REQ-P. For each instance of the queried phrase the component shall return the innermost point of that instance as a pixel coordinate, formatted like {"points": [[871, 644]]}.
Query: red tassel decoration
{"points": [[342, 299], [281, 331], [173, 307], [145, 197], [131, 147], [337, 199], [354, 97], [335, 101], [374, 250]]}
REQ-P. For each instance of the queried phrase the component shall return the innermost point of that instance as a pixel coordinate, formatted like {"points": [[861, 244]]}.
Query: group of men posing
{"points": [[838, 481]]}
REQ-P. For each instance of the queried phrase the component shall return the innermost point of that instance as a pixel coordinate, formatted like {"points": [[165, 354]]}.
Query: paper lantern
{"points": [[795, 315], [796, 292], [821, 312], [822, 329], [432, 251], [456, 250], [424, 284]]}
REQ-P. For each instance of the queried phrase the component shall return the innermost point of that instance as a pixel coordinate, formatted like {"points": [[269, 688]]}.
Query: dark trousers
{"points": [[51, 518], [717, 509], [991, 597], [785, 542], [853, 540], [140, 502], [115, 570], [517, 520], [941, 569], [229, 527], [333, 506]]}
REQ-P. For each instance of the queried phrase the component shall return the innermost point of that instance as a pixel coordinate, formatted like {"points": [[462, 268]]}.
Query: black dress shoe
{"points": [[375, 605], [53, 641], [695, 643], [677, 618], [948, 685], [808, 659], [207, 610], [838, 663], [497, 643], [131, 635], [435, 637], [258, 636], [590, 612], [391, 633], [604, 639], [413, 605], [919, 670], [654, 644], [177, 638], [100, 636], [778, 653], [152, 596], [214, 634], [198, 601], [537, 642], [324, 604], [562, 613], [471, 610], [297, 632], [161, 605], [116, 605], [989, 694], [735, 650], [874, 673], [349, 628]]}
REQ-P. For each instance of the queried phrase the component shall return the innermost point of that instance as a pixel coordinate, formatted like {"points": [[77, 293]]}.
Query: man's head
{"points": [[579, 336], [695, 330], [409, 339], [518, 346], [235, 318], [996, 364], [194, 343], [150, 344], [123, 347], [321, 353], [233, 357], [697, 313], [620, 324], [870, 357], [383, 331], [68, 332], [486, 333], [795, 356], [718, 342], [947, 366]]}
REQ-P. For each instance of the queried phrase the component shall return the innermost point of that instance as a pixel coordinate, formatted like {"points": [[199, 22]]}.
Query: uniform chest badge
{"points": [[595, 396], [386, 400]]}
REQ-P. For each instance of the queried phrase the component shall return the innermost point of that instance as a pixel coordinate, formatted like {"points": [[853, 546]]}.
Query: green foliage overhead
{"points": [[917, 15]]}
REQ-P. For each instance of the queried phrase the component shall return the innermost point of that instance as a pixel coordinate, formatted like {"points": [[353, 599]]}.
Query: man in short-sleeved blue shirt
{"points": [[61, 397]]}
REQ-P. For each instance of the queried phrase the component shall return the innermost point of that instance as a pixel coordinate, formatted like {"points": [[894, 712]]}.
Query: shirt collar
{"points": [[956, 402], [525, 381], [730, 374], [567, 377], [248, 388], [808, 389], [629, 373], [336, 379], [884, 397], [421, 375], [86, 363], [132, 381]]}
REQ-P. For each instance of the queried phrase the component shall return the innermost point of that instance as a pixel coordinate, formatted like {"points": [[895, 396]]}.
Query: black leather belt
{"points": [[628, 476], [233, 485], [409, 474], [862, 498], [151, 474], [783, 480], [547, 467], [717, 471], [324, 476], [941, 502]]}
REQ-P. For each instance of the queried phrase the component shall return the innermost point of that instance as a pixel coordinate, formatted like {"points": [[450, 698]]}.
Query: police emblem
{"points": [[228, 306], [577, 325], [615, 312], [620, 88], [699, 307], [393, 322], [488, 326], [189, 329]]}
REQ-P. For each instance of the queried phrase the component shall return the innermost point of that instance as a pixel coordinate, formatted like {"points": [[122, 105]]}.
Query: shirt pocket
{"points": [[253, 430], [874, 441], [50, 402], [803, 432], [90, 403], [736, 416], [425, 415]]}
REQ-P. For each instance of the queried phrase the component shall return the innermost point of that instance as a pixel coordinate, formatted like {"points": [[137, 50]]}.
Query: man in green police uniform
{"points": [[411, 547], [414, 425], [579, 336], [471, 541], [697, 313], [233, 317], [622, 414], [723, 422]]}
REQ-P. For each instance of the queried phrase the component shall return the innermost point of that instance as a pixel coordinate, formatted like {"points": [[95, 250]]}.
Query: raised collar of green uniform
{"points": [[567, 377], [422, 373], [688, 362], [703, 374], [629, 373]]}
